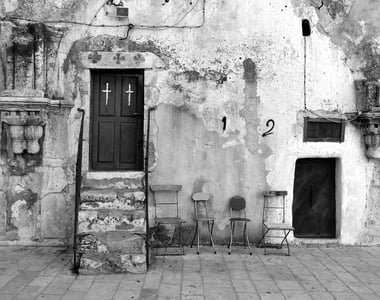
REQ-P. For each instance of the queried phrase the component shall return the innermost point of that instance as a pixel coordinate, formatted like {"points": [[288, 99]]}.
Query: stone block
{"points": [[133, 198], [53, 210], [92, 243], [112, 242], [118, 183], [98, 195], [112, 263], [3, 213], [53, 181], [22, 212], [110, 220], [93, 199], [125, 242]]}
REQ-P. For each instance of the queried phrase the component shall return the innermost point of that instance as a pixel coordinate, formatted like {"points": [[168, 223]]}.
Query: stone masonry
{"points": [[111, 227]]}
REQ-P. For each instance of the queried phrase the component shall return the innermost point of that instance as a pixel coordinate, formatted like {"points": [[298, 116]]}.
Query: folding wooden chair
{"points": [[200, 205], [166, 211], [278, 225]]}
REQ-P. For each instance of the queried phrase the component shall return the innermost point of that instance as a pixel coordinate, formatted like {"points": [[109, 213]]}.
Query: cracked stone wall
{"points": [[36, 202], [245, 63]]}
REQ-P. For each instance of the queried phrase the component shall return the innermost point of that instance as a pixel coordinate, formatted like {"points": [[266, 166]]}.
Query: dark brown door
{"points": [[314, 198], [117, 107]]}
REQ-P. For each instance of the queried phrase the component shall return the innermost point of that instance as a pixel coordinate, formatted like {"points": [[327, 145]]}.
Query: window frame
{"points": [[308, 120]]}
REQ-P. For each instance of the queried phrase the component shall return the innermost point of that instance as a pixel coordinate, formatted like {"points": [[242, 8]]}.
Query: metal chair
{"points": [[200, 201], [165, 215], [238, 204], [277, 225]]}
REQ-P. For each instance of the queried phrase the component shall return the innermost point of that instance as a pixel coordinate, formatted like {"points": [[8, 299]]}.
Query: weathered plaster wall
{"points": [[354, 27], [245, 63]]}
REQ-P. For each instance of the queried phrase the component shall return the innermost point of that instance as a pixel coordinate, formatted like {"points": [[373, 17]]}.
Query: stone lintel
{"points": [[14, 103], [121, 60]]}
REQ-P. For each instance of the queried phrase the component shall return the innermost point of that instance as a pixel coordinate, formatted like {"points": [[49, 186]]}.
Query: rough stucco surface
{"points": [[241, 65]]}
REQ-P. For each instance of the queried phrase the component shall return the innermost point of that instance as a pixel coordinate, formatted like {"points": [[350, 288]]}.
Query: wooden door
{"points": [[314, 198], [117, 108]]}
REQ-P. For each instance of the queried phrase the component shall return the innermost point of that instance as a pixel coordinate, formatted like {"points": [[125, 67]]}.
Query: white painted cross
{"points": [[107, 91], [129, 92]]}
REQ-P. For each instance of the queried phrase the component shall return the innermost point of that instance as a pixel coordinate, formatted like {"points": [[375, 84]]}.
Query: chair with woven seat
{"points": [[200, 201], [166, 210], [238, 213]]}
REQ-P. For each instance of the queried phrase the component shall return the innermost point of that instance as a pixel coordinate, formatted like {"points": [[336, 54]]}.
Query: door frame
{"points": [[140, 80], [78, 86]]}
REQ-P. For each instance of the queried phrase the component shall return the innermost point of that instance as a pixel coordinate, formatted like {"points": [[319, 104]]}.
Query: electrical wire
{"points": [[96, 14], [130, 27], [186, 14], [305, 93], [304, 72], [175, 25], [8, 18], [333, 120], [142, 26]]}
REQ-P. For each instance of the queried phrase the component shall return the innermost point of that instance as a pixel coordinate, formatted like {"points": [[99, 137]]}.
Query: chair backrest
{"points": [[168, 200], [199, 199], [237, 203]]}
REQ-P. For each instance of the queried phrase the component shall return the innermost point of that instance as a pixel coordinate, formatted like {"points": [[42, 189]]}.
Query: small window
{"points": [[322, 130]]}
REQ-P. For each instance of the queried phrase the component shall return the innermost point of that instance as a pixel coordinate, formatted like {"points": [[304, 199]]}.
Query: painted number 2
{"points": [[271, 123]]}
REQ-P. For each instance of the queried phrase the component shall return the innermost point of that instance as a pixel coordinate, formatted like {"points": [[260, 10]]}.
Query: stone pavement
{"points": [[310, 273]]}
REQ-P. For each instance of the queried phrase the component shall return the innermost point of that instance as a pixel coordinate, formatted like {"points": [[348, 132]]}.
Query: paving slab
{"points": [[44, 273]]}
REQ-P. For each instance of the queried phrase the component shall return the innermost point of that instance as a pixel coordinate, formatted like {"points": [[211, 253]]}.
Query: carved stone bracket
{"points": [[26, 113], [368, 105], [369, 124]]}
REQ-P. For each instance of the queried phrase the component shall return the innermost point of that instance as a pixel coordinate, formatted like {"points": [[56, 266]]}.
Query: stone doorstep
{"points": [[117, 183], [112, 263]]}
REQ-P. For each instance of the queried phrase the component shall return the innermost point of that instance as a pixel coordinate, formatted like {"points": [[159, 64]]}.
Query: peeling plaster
{"points": [[353, 26], [247, 69]]}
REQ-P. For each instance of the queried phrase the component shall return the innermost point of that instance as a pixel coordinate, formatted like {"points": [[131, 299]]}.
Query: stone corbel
{"points": [[368, 119], [26, 127], [26, 114]]}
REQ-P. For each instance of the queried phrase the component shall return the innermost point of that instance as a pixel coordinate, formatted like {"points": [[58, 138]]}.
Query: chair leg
{"points": [[210, 234], [249, 246], [195, 234], [232, 226], [263, 240], [244, 235], [197, 240], [286, 239], [180, 240]]}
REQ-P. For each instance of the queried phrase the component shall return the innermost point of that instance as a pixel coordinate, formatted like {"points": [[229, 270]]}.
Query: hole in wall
{"points": [[306, 30]]}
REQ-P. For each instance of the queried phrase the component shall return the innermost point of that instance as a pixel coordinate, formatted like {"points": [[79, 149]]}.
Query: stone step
{"points": [[102, 220], [112, 252], [91, 264], [111, 199], [112, 241], [114, 180]]}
